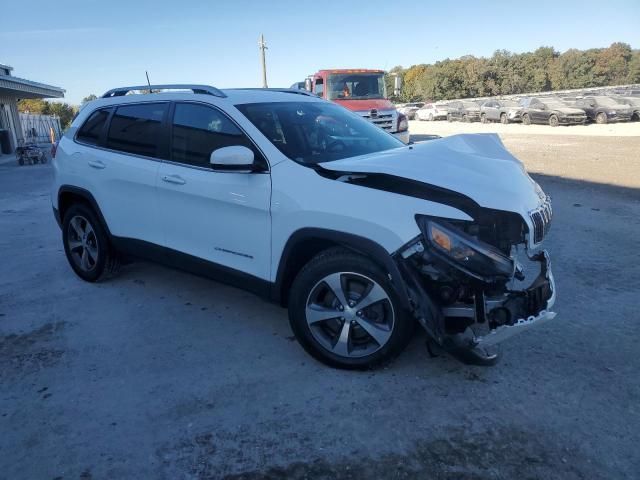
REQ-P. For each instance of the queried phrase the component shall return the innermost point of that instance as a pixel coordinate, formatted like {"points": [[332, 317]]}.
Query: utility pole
{"points": [[263, 46]]}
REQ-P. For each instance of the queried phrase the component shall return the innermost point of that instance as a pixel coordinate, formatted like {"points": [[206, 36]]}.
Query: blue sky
{"points": [[90, 46]]}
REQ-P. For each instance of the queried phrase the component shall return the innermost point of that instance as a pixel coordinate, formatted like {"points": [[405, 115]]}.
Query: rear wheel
{"points": [[449, 118], [86, 244], [465, 119], [526, 119], [503, 119], [344, 311], [483, 118], [601, 118], [430, 118], [553, 120]]}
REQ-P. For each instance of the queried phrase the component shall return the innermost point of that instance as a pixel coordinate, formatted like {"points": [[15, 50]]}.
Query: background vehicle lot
{"points": [[159, 374]]}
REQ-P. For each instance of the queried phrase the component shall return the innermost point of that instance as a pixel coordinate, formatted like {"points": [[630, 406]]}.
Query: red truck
{"points": [[363, 92]]}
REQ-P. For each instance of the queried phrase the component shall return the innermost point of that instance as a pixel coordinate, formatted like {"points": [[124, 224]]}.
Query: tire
{"points": [[342, 336], [504, 119], [449, 118], [465, 119], [526, 119], [483, 118], [601, 118], [553, 121], [430, 117], [635, 117], [20, 161], [86, 244]]}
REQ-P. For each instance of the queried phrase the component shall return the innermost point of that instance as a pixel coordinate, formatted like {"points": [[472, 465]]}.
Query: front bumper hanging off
{"points": [[538, 300]]}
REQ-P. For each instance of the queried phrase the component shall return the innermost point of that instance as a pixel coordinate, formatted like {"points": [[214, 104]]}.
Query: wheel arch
{"points": [[306, 243], [69, 195]]}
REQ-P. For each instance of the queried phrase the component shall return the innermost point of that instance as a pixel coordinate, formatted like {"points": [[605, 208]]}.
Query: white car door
{"points": [[122, 172], [222, 217]]}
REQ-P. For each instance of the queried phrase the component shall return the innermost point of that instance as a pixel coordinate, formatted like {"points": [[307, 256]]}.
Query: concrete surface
{"points": [[160, 374]]}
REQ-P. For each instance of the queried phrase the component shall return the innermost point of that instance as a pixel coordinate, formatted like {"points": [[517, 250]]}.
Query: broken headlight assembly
{"points": [[463, 251]]}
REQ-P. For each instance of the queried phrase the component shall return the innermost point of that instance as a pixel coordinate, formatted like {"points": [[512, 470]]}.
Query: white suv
{"points": [[303, 202]]}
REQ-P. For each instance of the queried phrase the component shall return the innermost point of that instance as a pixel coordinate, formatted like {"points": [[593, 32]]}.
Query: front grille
{"points": [[541, 218], [382, 120]]}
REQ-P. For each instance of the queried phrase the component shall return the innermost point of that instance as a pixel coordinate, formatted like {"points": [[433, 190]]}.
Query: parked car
{"points": [[432, 111], [299, 200], [634, 103], [550, 111], [503, 111], [464, 111], [603, 109], [410, 109], [298, 86]]}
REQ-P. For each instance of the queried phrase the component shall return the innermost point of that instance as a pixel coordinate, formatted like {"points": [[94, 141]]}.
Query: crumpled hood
{"points": [[475, 165]]}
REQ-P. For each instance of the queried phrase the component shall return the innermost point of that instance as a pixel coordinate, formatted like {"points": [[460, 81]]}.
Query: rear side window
{"points": [[198, 130], [138, 129], [92, 128]]}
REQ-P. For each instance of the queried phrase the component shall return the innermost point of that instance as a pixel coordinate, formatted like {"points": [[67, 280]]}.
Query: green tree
{"points": [[88, 98]]}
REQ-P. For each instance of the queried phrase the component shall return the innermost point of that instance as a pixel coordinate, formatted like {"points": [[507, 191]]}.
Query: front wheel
{"points": [[344, 311], [526, 119], [483, 118], [86, 244], [601, 118], [503, 119], [553, 121], [431, 117]]}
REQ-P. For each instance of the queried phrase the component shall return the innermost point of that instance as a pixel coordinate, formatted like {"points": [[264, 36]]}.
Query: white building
{"points": [[13, 89]]}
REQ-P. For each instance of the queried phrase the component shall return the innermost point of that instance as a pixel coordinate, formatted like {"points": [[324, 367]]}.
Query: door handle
{"points": [[175, 179], [96, 164]]}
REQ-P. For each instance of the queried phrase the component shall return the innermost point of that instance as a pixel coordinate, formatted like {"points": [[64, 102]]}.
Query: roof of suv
{"points": [[233, 95]]}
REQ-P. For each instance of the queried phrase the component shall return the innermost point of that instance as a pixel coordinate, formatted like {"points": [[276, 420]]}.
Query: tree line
{"points": [[65, 111], [507, 73]]}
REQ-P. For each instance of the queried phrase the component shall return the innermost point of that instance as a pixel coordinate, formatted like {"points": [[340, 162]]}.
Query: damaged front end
{"points": [[475, 284]]}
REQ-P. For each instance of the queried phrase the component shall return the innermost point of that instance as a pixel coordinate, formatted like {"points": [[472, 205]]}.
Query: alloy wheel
{"points": [[82, 243], [350, 314]]}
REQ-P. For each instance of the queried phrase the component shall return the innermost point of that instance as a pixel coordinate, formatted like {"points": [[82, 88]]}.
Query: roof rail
{"points": [[281, 90], [202, 89]]}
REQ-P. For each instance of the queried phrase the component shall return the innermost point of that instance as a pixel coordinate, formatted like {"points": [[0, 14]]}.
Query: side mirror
{"points": [[232, 159]]}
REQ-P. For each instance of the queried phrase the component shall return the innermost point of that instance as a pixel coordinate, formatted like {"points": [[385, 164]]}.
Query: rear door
{"points": [[537, 112], [221, 217], [122, 165]]}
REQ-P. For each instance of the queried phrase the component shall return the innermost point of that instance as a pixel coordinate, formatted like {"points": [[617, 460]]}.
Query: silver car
{"points": [[503, 111]]}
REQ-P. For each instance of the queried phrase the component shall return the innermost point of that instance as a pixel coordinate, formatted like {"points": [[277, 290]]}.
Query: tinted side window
{"points": [[92, 127], [198, 130], [137, 129]]}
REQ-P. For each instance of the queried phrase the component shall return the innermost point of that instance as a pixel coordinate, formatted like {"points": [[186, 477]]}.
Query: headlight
{"points": [[464, 251]]}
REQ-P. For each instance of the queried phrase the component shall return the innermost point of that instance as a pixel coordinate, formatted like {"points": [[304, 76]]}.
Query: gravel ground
{"points": [[160, 374]]}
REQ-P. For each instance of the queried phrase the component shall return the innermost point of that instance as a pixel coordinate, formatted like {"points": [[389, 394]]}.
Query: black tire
{"points": [[449, 118], [20, 161], [635, 117], [430, 118], [504, 119], [553, 121], [526, 119], [465, 119], [106, 262], [483, 118], [601, 118], [344, 263]]}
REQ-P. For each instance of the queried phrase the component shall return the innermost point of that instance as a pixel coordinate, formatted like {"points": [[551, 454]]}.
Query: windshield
{"points": [[469, 105], [607, 102], [509, 103], [553, 103], [315, 132], [358, 86]]}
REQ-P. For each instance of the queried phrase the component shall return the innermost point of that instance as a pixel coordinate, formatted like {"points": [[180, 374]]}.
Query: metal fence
{"points": [[38, 128]]}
